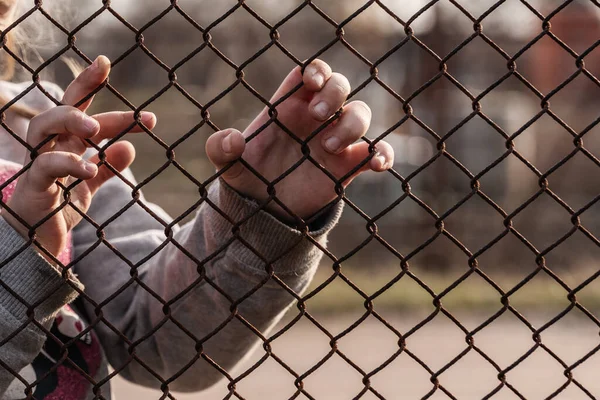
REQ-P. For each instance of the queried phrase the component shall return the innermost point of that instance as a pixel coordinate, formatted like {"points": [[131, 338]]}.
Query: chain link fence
{"points": [[493, 179]]}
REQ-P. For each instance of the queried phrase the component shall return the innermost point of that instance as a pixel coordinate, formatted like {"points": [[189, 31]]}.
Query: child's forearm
{"points": [[33, 279], [235, 270]]}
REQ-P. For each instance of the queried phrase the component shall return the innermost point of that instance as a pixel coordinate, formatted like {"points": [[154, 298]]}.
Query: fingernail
{"points": [[91, 124], [322, 110], [333, 144], [147, 117], [319, 79], [102, 60], [380, 159], [90, 167], [314, 73], [226, 144]]}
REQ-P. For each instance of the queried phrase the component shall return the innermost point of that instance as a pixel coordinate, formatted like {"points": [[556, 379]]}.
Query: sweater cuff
{"points": [[33, 278], [263, 239]]}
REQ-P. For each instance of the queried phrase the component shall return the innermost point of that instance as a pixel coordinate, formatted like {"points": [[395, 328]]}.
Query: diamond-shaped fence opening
{"points": [[467, 269]]}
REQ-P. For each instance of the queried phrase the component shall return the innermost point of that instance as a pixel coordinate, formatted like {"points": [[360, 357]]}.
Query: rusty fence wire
{"points": [[437, 64]]}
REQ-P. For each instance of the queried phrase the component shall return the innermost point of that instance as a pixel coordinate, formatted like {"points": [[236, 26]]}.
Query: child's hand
{"points": [[306, 190], [36, 194]]}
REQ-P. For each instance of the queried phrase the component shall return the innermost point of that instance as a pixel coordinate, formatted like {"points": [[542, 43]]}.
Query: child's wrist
{"points": [[20, 229], [314, 223]]}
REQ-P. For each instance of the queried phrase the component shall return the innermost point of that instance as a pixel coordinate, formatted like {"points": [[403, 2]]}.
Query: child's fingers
{"points": [[311, 79], [116, 122], [329, 99], [70, 121], [351, 126], [86, 83], [357, 153], [120, 155], [63, 120], [49, 167], [224, 147], [381, 161], [316, 74]]}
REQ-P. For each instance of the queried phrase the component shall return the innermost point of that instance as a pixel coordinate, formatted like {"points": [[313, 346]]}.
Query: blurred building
{"points": [[510, 107]]}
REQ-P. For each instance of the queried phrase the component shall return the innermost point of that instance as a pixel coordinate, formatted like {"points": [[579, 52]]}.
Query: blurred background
{"points": [[510, 106]]}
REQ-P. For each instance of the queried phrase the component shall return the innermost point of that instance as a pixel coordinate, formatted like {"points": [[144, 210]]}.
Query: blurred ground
{"points": [[437, 343]]}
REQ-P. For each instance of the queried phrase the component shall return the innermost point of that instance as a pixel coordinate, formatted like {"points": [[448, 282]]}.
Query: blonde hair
{"points": [[8, 72], [23, 41]]}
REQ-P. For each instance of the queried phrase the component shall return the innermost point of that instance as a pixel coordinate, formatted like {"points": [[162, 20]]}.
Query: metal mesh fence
{"points": [[436, 62]]}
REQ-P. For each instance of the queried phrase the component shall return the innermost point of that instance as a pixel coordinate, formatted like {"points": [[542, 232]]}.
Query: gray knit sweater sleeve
{"points": [[31, 290], [174, 292], [29, 282]]}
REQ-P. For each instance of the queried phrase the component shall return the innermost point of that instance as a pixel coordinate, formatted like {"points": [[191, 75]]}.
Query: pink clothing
{"points": [[67, 254], [66, 383]]}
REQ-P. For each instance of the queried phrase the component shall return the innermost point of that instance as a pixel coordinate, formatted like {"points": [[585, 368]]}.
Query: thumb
{"points": [[224, 147]]}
